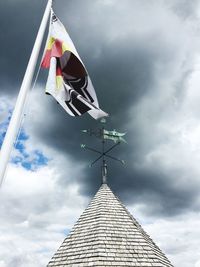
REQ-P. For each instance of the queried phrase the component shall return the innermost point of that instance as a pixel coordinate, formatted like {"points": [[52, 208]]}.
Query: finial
{"points": [[104, 173], [103, 120]]}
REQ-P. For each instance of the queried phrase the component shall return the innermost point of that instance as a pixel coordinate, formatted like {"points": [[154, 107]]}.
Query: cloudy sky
{"points": [[144, 60]]}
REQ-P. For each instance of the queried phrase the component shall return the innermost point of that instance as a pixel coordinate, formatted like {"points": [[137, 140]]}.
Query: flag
{"points": [[105, 134], [114, 136], [68, 80]]}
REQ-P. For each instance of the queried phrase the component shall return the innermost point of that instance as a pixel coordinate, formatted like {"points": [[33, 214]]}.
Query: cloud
{"points": [[36, 216], [168, 234]]}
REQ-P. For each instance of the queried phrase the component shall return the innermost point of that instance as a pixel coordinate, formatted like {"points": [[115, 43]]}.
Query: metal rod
{"points": [[112, 147], [111, 157], [93, 150], [104, 166], [96, 160]]}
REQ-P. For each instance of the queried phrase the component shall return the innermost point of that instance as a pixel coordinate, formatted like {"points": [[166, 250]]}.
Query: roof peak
{"points": [[107, 234]]}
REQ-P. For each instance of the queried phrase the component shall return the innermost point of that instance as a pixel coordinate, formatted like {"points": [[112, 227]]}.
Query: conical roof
{"points": [[107, 235]]}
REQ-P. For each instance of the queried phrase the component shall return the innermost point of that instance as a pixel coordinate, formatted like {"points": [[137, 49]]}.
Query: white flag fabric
{"points": [[68, 80]]}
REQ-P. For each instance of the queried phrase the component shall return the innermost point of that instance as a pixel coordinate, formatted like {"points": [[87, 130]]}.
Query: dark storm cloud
{"points": [[19, 22], [151, 187], [131, 49], [185, 9]]}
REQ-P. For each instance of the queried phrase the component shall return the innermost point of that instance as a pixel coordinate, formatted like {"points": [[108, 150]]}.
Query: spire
{"points": [[106, 234]]}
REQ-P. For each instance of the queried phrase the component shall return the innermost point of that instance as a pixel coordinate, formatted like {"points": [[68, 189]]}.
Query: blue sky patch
{"points": [[4, 126], [28, 160]]}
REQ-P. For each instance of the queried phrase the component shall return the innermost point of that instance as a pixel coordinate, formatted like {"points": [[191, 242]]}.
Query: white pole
{"points": [[14, 124]]}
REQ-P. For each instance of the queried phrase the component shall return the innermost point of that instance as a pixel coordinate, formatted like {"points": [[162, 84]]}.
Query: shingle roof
{"points": [[107, 235]]}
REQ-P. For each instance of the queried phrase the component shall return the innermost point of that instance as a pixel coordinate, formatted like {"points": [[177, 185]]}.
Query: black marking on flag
{"points": [[75, 74], [80, 106], [53, 18], [71, 108], [75, 104], [87, 93], [80, 85]]}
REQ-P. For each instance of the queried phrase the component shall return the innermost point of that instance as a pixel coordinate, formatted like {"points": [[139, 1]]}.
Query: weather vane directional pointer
{"points": [[104, 135]]}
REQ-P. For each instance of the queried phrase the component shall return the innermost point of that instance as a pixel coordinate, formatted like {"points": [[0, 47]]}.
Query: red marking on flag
{"points": [[55, 51], [58, 71], [46, 60]]}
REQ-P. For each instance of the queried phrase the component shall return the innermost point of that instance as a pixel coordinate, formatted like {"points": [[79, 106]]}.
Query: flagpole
{"points": [[14, 124]]}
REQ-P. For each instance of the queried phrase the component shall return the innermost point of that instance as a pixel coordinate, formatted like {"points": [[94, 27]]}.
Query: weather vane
{"points": [[104, 135]]}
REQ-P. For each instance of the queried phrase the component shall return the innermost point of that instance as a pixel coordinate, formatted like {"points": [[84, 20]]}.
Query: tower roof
{"points": [[106, 234]]}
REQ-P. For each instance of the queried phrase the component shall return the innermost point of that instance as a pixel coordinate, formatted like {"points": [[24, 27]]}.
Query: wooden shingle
{"points": [[106, 234]]}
